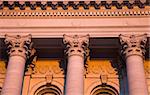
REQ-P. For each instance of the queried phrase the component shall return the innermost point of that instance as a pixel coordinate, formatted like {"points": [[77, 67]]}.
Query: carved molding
{"points": [[70, 9], [41, 88], [133, 45], [18, 45], [74, 13], [76, 45], [54, 5], [94, 84], [104, 88]]}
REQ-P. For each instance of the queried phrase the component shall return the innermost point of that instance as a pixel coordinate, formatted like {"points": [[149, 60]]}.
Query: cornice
{"points": [[67, 9], [54, 5]]}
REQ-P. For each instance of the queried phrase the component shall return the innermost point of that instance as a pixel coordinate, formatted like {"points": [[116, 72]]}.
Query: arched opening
{"points": [[104, 90], [48, 90]]}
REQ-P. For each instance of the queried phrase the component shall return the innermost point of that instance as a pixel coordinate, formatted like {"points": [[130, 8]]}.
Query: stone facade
{"points": [[49, 72], [75, 47]]}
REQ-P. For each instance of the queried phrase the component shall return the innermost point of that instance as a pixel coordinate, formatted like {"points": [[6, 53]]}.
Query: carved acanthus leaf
{"points": [[76, 45], [133, 45], [100, 68], [19, 45], [45, 67]]}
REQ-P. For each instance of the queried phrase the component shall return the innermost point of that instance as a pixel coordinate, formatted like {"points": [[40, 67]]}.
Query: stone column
{"points": [[19, 49], [133, 49], [76, 50]]}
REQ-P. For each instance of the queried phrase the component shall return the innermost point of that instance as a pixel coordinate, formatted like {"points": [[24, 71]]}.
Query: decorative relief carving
{"points": [[73, 14], [133, 45], [47, 68], [31, 66], [18, 45], [76, 45], [147, 67], [64, 5], [104, 79], [2, 67], [49, 78], [100, 68], [72, 9]]}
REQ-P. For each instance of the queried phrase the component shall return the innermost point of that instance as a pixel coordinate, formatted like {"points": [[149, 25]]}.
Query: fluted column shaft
{"points": [[133, 48], [18, 51], [76, 50]]}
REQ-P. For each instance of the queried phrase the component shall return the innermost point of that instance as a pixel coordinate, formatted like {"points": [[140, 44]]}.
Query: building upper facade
{"points": [[103, 20], [99, 15]]}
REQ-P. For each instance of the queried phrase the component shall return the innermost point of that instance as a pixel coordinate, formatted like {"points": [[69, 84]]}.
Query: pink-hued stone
{"points": [[75, 76], [14, 76], [136, 76]]}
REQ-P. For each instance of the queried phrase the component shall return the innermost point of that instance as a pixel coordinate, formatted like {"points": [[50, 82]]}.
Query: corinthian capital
{"points": [[18, 45], [133, 45], [76, 45]]}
